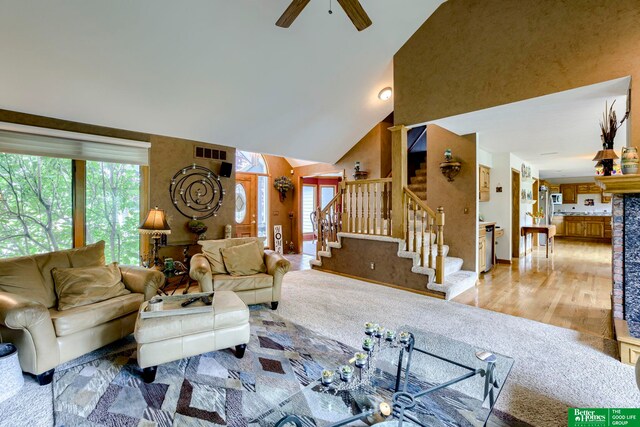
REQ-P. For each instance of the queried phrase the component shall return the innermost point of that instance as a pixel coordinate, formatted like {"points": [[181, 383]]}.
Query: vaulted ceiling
{"points": [[217, 71]]}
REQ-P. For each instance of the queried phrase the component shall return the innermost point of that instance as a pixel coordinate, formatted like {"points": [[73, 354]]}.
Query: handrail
{"points": [[331, 202], [416, 212], [420, 202], [329, 222]]}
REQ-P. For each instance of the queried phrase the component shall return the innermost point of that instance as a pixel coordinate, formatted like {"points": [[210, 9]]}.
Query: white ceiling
{"points": [[218, 71], [558, 133]]}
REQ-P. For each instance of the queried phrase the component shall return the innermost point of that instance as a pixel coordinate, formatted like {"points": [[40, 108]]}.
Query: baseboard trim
{"points": [[376, 282], [503, 261]]}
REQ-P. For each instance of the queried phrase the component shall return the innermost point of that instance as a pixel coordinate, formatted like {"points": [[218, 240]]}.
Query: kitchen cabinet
{"points": [[594, 189], [574, 228], [558, 221], [582, 188], [485, 183], [605, 198], [588, 227], [482, 254], [554, 188], [569, 193]]}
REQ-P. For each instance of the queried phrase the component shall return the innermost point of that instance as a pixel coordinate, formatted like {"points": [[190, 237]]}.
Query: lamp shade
{"points": [[155, 223]]}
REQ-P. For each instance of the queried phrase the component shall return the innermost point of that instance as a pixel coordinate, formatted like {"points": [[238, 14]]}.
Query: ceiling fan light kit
{"points": [[352, 8]]}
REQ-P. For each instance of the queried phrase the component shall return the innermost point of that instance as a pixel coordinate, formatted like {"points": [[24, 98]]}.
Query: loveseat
{"points": [[211, 273], [46, 337]]}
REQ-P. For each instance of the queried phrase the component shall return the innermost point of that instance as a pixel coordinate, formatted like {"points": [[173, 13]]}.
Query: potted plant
{"points": [[198, 227], [283, 184], [536, 215]]}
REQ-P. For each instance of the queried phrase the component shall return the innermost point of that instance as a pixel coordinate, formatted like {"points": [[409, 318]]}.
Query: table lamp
{"points": [[156, 225]]}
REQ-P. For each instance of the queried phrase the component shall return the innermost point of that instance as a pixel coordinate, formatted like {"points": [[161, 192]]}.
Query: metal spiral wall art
{"points": [[196, 192]]}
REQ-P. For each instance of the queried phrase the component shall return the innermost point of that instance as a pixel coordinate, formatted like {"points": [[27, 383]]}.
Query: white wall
{"points": [[516, 163], [580, 206], [498, 208]]}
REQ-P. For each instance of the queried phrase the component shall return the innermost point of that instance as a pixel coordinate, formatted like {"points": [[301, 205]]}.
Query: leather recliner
{"points": [[46, 337], [254, 289]]}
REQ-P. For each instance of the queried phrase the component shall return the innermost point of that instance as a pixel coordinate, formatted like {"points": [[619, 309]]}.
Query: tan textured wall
{"points": [[475, 54], [458, 197], [355, 258], [169, 155], [279, 211]]}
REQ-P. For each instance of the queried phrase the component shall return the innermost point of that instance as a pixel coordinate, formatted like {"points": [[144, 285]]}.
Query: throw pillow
{"points": [[80, 286], [243, 260], [211, 250]]}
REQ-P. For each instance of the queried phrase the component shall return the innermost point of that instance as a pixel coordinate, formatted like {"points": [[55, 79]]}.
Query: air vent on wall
{"points": [[210, 153]]}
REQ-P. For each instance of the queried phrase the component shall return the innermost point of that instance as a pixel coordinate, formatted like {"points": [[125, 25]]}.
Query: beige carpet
{"points": [[555, 368]]}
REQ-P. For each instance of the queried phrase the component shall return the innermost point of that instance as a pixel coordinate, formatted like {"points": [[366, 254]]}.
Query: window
{"points": [[308, 206], [35, 204], [263, 195], [327, 193], [61, 189], [250, 162], [113, 209]]}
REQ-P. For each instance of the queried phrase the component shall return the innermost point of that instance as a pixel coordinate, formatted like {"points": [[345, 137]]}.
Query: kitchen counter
{"points": [[582, 214]]}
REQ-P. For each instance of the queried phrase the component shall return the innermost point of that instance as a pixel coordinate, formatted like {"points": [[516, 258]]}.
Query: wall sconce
{"points": [[449, 167]]}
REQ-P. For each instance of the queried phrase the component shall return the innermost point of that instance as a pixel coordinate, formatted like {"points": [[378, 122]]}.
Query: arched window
{"points": [[252, 195], [248, 162]]}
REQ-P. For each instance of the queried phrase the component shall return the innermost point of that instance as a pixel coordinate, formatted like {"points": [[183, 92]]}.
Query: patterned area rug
{"points": [[212, 389]]}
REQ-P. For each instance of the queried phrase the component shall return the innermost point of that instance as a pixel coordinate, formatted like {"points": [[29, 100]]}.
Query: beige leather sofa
{"points": [[165, 339], [208, 270], [46, 337]]}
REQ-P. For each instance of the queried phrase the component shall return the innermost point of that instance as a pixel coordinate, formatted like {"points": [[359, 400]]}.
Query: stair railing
{"points": [[367, 206], [329, 222], [421, 225]]}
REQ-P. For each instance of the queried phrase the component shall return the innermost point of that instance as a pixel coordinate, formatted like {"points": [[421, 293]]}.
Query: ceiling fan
{"points": [[352, 8]]}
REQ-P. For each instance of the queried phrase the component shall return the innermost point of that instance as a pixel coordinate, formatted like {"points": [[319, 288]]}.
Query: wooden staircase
{"points": [[418, 182]]}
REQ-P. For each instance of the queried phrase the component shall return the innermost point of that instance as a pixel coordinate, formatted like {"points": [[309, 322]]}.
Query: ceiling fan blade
{"points": [[292, 13], [356, 13]]}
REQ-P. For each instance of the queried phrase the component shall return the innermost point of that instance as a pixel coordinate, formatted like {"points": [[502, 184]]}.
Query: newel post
{"points": [[440, 242], [399, 178]]}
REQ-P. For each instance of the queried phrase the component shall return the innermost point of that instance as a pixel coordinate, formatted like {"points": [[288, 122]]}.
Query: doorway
{"points": [[515, 213], [316, 192], [246, 212], [252, 182]]}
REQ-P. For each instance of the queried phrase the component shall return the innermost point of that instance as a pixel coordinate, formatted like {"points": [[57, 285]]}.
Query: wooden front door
{"points": [[515, 214], [246, 209]]}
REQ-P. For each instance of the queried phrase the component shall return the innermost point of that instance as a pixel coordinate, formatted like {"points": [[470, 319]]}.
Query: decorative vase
{"points": [[629, 160], [536, 221]]}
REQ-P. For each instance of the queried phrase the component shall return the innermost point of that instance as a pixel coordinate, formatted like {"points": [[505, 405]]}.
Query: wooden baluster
{"points": [[430, 219], [318, 230], [440, 239], [407, 205], [422, 250], [375, 208], [365, 207], [387, 211], [415, 225]]}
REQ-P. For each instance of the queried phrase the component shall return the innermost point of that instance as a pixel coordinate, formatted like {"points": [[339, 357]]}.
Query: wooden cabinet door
{"points": [[554, 189], [482, 254], [605, 198], [569, 194], [574, 228], [594, 189], [558, 221], [582, 188], [485, 183], [594, 229]]}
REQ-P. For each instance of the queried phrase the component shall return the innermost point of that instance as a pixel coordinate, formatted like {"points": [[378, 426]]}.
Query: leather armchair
{"points": [[46, 337], [258, 293]]}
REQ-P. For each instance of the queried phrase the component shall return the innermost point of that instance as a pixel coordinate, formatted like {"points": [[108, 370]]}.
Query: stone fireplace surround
{"points": [[625, 296]]}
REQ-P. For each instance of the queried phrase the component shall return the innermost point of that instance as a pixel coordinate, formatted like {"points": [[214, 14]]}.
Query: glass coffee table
{"points": [[431, 380]]}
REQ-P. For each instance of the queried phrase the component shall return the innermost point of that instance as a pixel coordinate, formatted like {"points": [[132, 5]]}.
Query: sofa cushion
{"points": [[211, 250], [226, 282], [21, 276], [80, 318], [244, 260], [81, 286]]}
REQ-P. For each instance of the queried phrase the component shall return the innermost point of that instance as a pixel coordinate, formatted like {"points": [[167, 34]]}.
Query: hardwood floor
{"points": [[299, 261], [570, 289]]}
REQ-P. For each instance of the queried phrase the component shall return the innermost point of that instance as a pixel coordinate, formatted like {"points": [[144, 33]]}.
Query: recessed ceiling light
{"points": [[385, 94]]}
